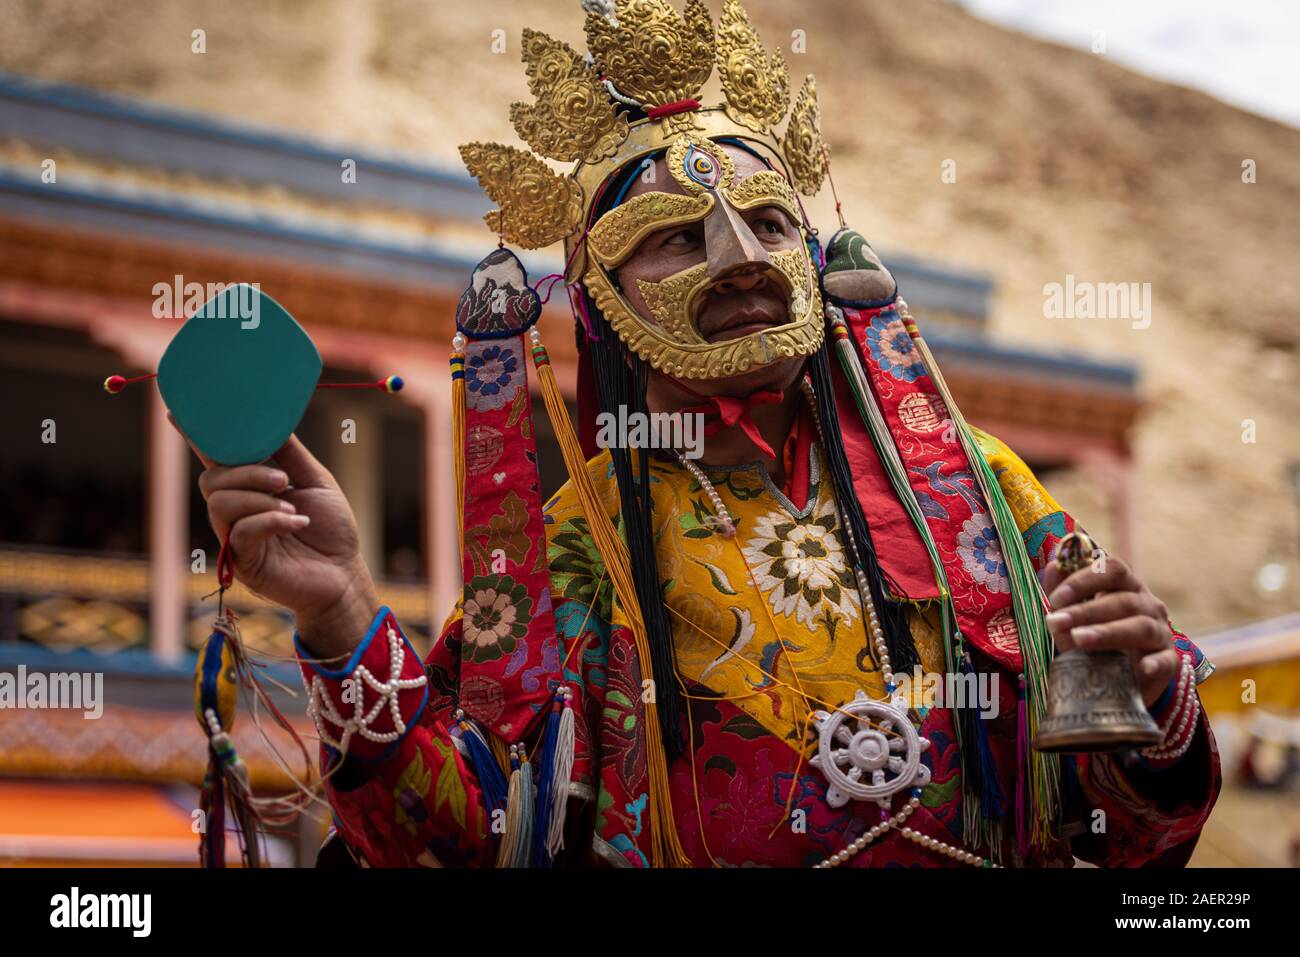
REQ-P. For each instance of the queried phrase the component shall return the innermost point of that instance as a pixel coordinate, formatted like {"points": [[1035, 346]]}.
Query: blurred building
{"points": [[1254, 705], [106, 561]]}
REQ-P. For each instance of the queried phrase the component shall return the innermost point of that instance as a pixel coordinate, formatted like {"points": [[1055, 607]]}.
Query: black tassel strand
{"points": [[620, 380], [893, 616]]}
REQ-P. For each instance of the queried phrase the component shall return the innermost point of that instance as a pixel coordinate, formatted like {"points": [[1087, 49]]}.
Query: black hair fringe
{"points": [[621, 378]]}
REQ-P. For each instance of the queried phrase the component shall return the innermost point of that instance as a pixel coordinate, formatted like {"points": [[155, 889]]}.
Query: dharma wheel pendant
{"points": [[869, 751]]}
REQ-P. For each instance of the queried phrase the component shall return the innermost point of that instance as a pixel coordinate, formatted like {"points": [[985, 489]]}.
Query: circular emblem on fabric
{"points": [[923, 412], [482, 698], [483, 445], [1002, 632]]}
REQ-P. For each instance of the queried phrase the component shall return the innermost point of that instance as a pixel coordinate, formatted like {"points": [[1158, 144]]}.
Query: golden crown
{"points": [[649, 61]]}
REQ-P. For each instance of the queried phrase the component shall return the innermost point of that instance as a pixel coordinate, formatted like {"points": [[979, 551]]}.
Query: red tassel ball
{"points": [[114, 384]]}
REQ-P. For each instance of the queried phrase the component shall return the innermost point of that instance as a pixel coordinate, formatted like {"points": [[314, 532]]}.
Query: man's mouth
{"points": [[741, 322]]}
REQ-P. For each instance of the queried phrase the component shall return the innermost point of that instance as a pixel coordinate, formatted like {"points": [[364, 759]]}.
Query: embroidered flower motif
{"points": [[981, 555], [490, 377], [747, 811], [410, 794], [497, 612], [892, 348], [800, 565], [576, 564]]}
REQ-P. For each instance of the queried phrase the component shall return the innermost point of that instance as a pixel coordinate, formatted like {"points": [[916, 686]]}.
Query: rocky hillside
{"points": [[1065, 164]]}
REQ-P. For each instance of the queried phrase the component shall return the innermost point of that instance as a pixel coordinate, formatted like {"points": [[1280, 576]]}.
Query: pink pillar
{"points": [[169, 561], [441, 520]]}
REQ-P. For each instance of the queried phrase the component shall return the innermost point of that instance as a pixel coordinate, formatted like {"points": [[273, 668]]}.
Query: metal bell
{"points": [[1093, 699]]}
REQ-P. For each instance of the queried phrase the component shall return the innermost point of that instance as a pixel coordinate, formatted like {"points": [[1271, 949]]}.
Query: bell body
{"points": [[1094, 704]]}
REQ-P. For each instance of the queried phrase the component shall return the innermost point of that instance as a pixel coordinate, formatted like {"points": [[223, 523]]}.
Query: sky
{"points": [[1245, 52]]}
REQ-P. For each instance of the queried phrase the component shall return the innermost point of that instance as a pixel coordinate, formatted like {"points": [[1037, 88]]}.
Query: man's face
{"points": [[743, 297]]}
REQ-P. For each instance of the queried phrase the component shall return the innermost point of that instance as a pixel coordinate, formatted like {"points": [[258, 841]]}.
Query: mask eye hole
{"points": [[701, 168]]}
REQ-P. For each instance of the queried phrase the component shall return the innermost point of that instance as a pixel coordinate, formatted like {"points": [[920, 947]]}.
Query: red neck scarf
{"points": [[724, 411]]}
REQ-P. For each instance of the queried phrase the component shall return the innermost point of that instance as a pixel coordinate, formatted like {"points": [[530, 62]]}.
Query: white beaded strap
{"points": [[386, 694], [1178, 730], [896, 823], [721, 518]]}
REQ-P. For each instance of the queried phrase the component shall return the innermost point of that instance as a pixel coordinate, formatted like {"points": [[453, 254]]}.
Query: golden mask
{"points": [[669, 339]]}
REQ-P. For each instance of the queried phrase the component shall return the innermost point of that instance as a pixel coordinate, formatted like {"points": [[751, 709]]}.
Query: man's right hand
{"points": [[294, 542]]}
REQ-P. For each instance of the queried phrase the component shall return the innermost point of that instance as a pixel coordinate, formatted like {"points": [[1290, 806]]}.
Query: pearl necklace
{"points": [[721, 517], [888, 821], [896, 821]]}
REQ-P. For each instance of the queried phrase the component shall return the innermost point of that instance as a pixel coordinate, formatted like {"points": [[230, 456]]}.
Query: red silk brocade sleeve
{"points": [[402, 790]]}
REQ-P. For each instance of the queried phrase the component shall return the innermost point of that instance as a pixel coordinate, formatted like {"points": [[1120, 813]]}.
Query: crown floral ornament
{"points": [[653, 55], [537, 207], [802, 143], [757, 87], [645, 57], [572, 119]]}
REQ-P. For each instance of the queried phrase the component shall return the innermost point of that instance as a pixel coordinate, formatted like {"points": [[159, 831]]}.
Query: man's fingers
{"points": [[249, 532], [1086, 582], [1061, 639], [1058, 624], [1138, 633], [1158, 669], [1108, 607], [253, 478], [207, 462], [301, 466], [293, 460], [230, 505]]}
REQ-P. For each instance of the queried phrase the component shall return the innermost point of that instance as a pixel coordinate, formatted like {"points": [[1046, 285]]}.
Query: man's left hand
{"points": [[1105, 606]]}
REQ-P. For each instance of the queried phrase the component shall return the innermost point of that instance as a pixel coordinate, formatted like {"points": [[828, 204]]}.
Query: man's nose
{"points": [[743, 279], [735, 254]]}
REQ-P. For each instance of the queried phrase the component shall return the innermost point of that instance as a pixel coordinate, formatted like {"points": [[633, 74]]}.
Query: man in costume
{"points": [[677, 663]]}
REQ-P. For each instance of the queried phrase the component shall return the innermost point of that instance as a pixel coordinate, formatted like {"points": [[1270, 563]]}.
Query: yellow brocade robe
{"points": [[773, 614]]}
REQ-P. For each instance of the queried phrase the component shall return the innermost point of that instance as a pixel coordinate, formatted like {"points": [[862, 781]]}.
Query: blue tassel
{"points": [[490, 776], [545, 784]]}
